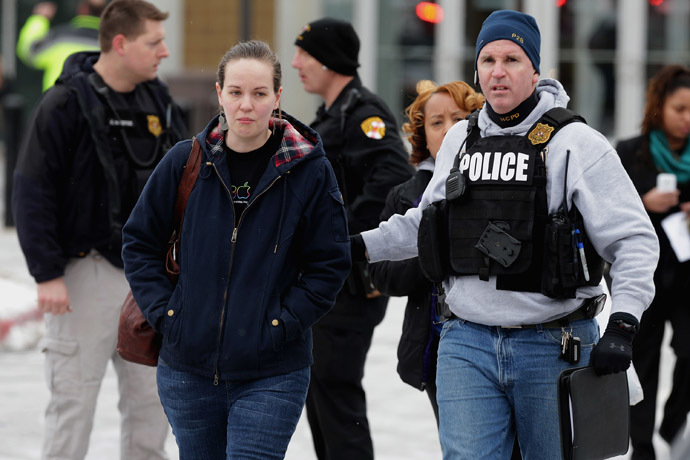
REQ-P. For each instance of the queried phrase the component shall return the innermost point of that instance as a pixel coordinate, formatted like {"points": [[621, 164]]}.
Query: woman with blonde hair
{"points": [[433, 112]]}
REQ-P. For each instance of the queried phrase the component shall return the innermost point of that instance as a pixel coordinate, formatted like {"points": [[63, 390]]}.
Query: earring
{"points": [[324, 67], [223, 122]]}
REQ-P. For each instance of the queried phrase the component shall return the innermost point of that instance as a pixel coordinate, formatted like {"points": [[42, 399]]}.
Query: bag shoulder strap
{"points": [[189, 176]]}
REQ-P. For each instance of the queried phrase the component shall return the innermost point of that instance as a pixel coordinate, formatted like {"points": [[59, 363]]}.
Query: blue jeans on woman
{"points": [[249, 419], [495, 382]]}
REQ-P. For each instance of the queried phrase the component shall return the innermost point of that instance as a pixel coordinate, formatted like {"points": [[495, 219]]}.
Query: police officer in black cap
{"points": [[362, 142]]}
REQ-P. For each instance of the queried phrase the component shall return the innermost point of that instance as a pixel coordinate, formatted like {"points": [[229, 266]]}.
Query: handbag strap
{"points": [[189, 175]]}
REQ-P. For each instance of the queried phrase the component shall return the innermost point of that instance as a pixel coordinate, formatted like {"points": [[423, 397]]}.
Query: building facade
{"points": [[603, 51]]}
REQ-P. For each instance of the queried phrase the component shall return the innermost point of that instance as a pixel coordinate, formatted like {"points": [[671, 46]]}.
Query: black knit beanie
{"points": [[332, 42]]}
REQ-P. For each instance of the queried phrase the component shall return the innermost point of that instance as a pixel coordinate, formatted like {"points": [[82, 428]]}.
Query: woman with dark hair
{"points": [[662, 147], [264, 250], [430, 116]]}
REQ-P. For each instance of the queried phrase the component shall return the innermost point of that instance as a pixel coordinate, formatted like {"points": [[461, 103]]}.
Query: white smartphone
{"points": [[666, 182]]}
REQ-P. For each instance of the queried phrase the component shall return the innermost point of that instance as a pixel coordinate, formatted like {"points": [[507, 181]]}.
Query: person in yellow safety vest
{"points": [[44, 49]]}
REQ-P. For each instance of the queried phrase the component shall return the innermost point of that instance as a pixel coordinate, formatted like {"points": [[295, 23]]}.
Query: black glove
{"points": [[613, 353], [358, 250]]}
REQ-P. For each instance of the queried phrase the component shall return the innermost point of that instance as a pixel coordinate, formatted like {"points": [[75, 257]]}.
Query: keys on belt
{"points": [[570, 347]]}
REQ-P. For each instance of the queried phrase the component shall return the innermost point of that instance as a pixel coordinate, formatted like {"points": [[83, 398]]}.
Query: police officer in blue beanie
{"points": [[517, 182]]}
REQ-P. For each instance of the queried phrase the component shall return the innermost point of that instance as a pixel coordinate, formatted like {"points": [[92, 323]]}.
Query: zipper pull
{"points": [[215, 379], [234, 235]]}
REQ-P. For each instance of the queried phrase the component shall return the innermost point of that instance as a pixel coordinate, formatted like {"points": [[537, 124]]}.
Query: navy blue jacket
{"points": [[251, 286]]}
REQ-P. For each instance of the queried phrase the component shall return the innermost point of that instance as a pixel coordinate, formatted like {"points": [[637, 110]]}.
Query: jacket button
{"points": [[171, 312], [275, 322]]}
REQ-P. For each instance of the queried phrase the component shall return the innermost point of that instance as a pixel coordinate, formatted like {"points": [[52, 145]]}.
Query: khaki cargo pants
{"points": [[78, 347]]}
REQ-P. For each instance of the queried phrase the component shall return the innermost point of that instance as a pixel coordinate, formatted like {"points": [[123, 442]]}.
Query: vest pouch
{"points": [[560, 258], [432, 242], [565, 243], [593, 261]]}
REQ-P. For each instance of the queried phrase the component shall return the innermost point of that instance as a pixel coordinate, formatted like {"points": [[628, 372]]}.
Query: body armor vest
{"points": [[496, 224]]}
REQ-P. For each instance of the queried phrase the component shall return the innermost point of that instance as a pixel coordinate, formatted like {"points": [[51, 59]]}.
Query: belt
{"points": [[589, 309]]}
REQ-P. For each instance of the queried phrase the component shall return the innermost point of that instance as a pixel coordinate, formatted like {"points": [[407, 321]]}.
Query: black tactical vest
{"points": [[496, 227]]}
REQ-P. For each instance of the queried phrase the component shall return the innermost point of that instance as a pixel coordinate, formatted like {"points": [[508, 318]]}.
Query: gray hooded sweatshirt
{"points": [[614, 220]]}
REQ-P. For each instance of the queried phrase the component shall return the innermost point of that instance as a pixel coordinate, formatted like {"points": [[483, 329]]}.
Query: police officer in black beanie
{"points": [[361, 140]]}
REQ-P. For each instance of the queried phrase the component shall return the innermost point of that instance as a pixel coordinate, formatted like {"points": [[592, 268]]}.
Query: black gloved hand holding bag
{"points": [[613, 353]]}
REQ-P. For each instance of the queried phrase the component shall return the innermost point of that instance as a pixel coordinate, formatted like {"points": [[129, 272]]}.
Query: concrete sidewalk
{"points": [[402, 423], [401, 419]]}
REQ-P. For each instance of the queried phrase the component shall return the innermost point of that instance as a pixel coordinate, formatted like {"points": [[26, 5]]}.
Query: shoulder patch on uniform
{"points": [[374, 128], [540, 134]]}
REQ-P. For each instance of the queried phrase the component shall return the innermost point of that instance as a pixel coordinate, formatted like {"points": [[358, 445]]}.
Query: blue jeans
{"points": [[251, 419], [493, 382]]}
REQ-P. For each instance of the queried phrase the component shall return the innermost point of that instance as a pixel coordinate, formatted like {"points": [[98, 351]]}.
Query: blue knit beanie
{"points": [[519, 28]]}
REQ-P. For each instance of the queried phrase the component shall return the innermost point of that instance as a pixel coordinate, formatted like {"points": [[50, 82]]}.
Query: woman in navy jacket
{"points": [[264, 250]]}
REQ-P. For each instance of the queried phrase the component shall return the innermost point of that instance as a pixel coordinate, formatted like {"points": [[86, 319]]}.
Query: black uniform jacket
{"points": [[360, 136], [405, 278], [60, 196]]}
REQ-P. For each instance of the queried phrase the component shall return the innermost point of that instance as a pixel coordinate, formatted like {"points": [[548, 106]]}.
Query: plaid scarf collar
{"points": [[293, 146]]}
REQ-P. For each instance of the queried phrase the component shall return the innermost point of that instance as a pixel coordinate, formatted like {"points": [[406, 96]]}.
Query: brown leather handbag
{"points": [[137, 341]]}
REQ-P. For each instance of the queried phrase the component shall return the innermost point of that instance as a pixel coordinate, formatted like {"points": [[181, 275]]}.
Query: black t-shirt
{"points": [[246, 168]]}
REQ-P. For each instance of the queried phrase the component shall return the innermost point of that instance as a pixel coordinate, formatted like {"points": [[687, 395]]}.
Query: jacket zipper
{"points": [[233, 239]]}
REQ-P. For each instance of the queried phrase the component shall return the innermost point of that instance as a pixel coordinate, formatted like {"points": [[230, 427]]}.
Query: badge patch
{"points": [[374, 128], [306, 28], [540, 134], [155, 127]]}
